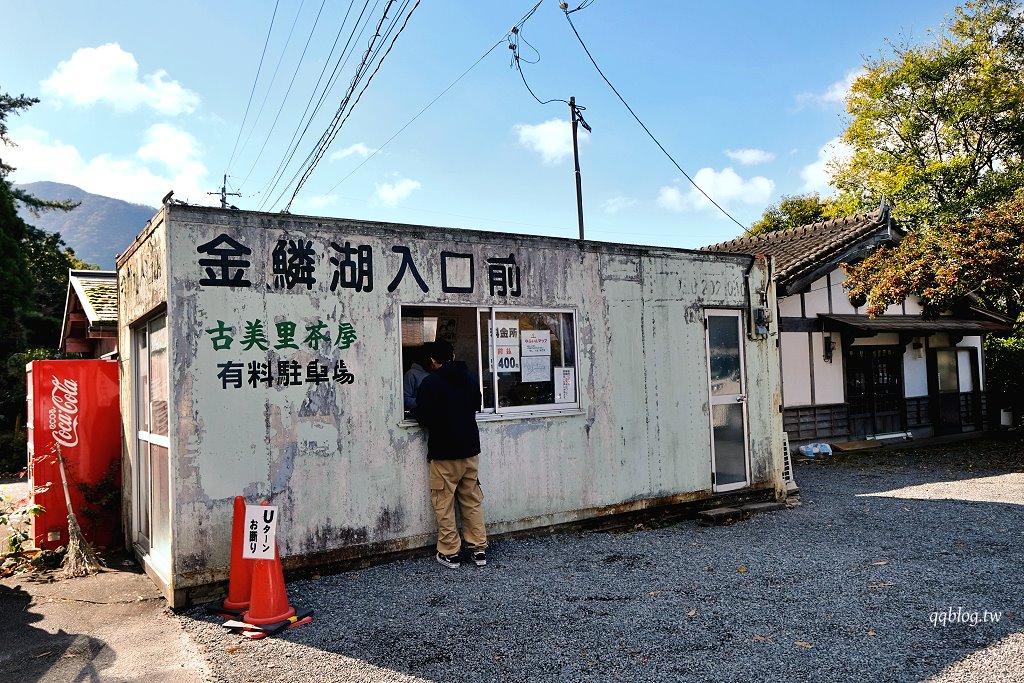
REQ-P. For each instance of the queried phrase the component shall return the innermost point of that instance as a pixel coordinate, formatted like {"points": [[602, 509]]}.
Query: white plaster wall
{"points": [[789, 306], [912, 306], [915, 373], [335, 457], [963, 364], [894, 309], [828, 377], [816, 298], [796, 387], [975, 343], [840, 300]]}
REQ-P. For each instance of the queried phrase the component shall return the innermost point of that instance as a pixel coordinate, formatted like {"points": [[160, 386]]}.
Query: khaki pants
{"points": [[457, 478]]}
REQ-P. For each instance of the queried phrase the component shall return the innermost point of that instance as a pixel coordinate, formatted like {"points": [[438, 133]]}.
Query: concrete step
{"points": [[719, 516], [727, 515], [769, 506]]}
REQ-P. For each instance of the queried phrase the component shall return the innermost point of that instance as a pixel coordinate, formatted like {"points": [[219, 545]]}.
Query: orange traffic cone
{"points": [[240, 576], [269, 598]]}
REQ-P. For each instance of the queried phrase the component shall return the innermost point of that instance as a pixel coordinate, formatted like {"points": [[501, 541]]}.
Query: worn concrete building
{"points": [[262, 355]]}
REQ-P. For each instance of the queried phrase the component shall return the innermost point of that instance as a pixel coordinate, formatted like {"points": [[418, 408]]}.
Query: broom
{"points": [[80, 559]]}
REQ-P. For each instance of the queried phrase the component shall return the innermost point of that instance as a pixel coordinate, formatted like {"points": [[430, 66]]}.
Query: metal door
{"points": [[730, 457]]}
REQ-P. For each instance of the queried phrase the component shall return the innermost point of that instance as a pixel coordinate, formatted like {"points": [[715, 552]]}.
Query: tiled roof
{"points": [[800, 251], [97, 290]]}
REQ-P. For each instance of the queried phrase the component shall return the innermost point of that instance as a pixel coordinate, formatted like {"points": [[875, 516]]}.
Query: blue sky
{"points": [[746, 96]]}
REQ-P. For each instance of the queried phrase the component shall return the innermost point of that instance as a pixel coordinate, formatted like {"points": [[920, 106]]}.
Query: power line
{"points": [[284, 99], [304, 122], [273, 76], [420, 113], [514, 36], [515, 29], [335, 74], [255, 80], [646, 130], [336, 125]]}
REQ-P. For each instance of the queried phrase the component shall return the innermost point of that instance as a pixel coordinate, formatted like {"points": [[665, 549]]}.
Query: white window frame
{"points": [[508, 412], [542, 408]]}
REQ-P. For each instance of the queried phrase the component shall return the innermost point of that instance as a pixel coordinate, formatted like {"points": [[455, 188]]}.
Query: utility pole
{"points": [[577, 119], [224, 194]]}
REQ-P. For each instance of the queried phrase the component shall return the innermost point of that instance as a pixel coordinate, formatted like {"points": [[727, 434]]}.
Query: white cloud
{"points": [[551, 139], [835, 93], [173, 152], [109, 74], [725, 187], [392, 193], [358, 148], [816, 175], [749, 157], [616, 204]]}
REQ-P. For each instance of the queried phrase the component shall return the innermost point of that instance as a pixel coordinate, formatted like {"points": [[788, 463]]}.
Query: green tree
{"points": [[793, 211], [983, 256], [938, 129], [33, 277]]}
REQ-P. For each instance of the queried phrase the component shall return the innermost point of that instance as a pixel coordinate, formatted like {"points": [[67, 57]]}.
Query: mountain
{"points": [[98, 229]]}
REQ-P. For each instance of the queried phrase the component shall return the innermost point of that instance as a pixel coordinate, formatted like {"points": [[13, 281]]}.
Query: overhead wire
{"points": [[508, 34], [347, 53], [306, 121], [336, 125], [367, 58], [284, 99], [259, 68], [642, 125], [418, 114], [273, 76]]}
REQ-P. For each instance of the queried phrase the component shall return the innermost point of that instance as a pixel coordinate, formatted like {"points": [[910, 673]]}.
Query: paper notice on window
{"points": [[565, 385], [536, 368], [506, 345], [536, 342]]}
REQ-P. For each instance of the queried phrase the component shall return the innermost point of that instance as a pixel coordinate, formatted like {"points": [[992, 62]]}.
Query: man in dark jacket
{"points": [[446, 405]]}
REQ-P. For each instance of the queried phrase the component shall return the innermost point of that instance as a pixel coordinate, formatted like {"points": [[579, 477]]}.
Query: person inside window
{"points": [[413, 376]]}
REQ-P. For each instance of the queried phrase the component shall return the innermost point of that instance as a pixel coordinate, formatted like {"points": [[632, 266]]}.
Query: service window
{"points": [[525, 358]]}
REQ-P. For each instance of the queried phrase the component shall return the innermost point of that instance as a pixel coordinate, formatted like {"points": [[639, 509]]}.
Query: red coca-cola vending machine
{"points": [[75, 404]]}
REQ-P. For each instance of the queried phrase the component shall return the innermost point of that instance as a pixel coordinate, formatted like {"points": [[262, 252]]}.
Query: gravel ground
{"points": [[847, 585]]}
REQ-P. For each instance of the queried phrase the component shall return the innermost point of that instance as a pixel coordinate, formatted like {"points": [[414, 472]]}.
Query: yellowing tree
{"points": [[938, 130]]}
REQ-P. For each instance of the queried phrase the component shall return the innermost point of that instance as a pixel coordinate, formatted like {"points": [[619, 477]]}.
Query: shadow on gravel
{"points": [[32, 654], [843, 586]]}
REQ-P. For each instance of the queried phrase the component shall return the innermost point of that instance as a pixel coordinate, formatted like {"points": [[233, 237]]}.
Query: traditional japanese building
{"points": [[848, 377], [262, 355]]}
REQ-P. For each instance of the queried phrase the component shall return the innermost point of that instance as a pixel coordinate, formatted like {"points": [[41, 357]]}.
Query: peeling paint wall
{"points": [[142, 290], [338, 458]]}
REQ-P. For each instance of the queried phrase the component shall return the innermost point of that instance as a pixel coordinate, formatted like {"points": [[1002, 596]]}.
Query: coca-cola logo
{"points": [[63, 417]]}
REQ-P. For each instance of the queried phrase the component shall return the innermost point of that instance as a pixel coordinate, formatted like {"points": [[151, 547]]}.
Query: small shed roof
{"points": [[91, 308], [805, 253]]}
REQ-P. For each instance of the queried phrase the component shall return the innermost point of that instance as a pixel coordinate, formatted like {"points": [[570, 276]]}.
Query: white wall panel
{"points": [[828, 377], [796, 384]]}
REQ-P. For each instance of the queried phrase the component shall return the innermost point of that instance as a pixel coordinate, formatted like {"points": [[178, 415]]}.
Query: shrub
{"points": [[13, 452], [1004, 372]]}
